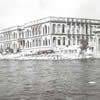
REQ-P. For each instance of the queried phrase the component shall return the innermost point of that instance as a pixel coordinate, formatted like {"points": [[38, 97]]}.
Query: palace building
{"points": [[51, 33]]}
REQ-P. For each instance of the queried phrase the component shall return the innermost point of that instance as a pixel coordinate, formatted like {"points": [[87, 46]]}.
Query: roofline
{"points": [[10, 28], [45, 19], [52, 18]]}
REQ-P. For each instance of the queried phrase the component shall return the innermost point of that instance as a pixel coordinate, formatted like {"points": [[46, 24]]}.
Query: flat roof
{"points": [[52, 19]]}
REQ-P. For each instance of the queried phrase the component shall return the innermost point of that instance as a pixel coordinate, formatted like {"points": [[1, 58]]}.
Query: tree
{"points": [[84, 44], [9, 50]]}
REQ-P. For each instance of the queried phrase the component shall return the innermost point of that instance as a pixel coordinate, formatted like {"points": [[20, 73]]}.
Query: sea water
{"points": [[50, 80]]}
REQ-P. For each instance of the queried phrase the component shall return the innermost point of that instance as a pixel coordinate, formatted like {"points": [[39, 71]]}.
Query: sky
{"points": [[18, 12]]}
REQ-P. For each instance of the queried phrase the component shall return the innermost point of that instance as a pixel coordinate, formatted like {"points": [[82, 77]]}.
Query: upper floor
{"points": [[50, 26]]}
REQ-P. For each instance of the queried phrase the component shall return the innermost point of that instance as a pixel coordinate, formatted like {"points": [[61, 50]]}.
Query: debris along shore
{"points": [[47, 56], [70, 52]]}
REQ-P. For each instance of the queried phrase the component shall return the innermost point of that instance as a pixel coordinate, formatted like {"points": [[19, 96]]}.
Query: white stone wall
{"points": [[40, 35]]}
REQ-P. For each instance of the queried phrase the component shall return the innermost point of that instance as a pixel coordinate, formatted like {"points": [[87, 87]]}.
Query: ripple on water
{"points": [[49, 80]]}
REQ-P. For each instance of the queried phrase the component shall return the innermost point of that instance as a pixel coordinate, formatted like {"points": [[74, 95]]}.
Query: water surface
{"points": [[50, 80]]}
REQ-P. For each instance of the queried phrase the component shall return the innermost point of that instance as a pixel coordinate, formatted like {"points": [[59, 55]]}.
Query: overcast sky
{"points": [[18, 12]]}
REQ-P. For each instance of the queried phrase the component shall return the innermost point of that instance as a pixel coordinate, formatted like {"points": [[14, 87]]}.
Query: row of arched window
{"points": [[59, 41], [34, 31], [46, 30], [71, 41], [35, 43], [26, 34], [7, 45], [8, 36], [39, 30], [71, 28], [58, 28]]}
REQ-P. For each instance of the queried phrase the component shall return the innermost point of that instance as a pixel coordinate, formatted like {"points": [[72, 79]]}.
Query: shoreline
{"points": [[46, 57]]}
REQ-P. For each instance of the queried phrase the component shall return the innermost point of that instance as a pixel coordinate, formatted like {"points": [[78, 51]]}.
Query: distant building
{"points": [[49, 33]]}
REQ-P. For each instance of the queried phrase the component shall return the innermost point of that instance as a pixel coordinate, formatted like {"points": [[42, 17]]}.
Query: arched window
{"points": [[68, 42], [8, 45], [39, 29], [48, 30], [46, 42], [2, 37], [39, 42], [27, 44], [28, 33], [59, 42], [22, 34], [19, 34], [23, 43], [33, 43], [63, 28], [14, 35], [33, 31], [49, 41], [54, 26], [63, 40], [1, 46], [58, 28], [54, 39], [99, 44], [43, 42], [45, 29], [30, 44], [7, 36], [82, 37], [36, 42], [14, 45]]}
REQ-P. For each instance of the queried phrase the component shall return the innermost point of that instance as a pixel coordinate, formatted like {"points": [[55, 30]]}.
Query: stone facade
{"points": [[49, 33]]}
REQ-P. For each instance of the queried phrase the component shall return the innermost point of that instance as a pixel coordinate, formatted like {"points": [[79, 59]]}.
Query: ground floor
{"points": [[69, 44]]}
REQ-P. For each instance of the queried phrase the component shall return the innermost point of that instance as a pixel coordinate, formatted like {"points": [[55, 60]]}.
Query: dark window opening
{"points": [[68, 42], [54, 26], [59, 42], [45, 29], [33, 31], [23, 43], [46, 42], [54, 39], [63, 28], [63, 40], [28, 44]]}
